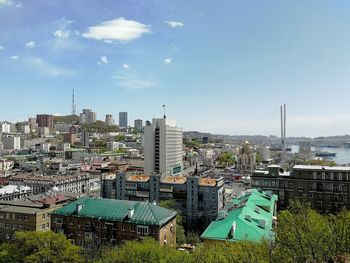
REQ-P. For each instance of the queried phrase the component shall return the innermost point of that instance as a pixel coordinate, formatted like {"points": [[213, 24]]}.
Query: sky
{"points": [[219, 66]]}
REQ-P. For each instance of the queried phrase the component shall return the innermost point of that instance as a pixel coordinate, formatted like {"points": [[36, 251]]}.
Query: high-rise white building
{"points": [[163, 147]]}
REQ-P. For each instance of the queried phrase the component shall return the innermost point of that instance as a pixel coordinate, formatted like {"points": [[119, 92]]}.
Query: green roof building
{"points": [[96, 221], [251, 216]]}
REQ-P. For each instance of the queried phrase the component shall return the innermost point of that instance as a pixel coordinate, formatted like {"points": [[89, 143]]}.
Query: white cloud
{"points": [[6, 3], [61, 33], [14, 57], [19, 5], [30, 44], [130, 81], [103, 61], [126, 66], [167, 60], [57, 114], [120, 29], [2, 47], [175, 23]]}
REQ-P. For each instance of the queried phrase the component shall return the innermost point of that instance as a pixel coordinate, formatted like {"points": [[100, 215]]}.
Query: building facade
{"points": [[163, 147], [246, 161], [109, 121], [123, 119], [22, 215], [93, 222], [11, 143], [326, 188], [138, 125], [197, 199], [88, 116], [79, 183], [44, 120]]}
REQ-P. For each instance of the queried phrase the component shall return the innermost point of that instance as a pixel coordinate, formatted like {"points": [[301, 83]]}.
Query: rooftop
{"points": [[19, 209], [117, 210], [207, 181], [319, 167], [251, 215], [138, 178], [174, 179]]}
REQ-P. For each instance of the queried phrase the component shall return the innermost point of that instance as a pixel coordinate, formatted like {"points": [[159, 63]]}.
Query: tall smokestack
{"points": [[285, 115], [74, 110], [283, 129]]}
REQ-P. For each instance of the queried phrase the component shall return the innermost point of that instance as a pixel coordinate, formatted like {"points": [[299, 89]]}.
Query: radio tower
{"points": [[74, 111]]}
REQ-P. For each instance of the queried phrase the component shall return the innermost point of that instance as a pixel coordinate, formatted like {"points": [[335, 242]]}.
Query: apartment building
{"points": [[77, 183], [197, 199], [93, 222], [27, 215], [326, 188]]}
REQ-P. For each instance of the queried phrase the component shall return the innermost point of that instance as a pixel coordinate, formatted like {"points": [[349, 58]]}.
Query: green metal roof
{"points": [[250, 210], [117, 211]]}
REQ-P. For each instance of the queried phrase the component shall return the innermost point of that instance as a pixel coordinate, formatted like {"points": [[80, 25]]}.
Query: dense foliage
{"points": [[38, 247], [226, 159], [100, 127]]}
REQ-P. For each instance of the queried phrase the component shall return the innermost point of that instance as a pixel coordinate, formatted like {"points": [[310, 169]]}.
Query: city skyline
{"points": [[223, 69]]}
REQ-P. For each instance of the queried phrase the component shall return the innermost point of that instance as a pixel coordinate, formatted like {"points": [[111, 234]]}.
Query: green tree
{"points": [[228, 252], [147, 251], [340, 228], [38, 247], [302, 235], [226, 159]]}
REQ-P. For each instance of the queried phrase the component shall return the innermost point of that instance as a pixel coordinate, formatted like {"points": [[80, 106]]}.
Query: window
{"points": [[26, 218], [7, 226], [43, 216], [123, 227], [59, 220], [43, 227], [143, 230], [88, 234], [7, 216], [1, 225], [1, 215]]}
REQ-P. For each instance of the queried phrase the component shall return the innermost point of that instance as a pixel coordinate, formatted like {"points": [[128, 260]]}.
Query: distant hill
{"points": [[68, 118]]}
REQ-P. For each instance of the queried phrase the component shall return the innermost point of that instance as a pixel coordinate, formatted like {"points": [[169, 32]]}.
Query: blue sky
{"points": [[219, 66]]}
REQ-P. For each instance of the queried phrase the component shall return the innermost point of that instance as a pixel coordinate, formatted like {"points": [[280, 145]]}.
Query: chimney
{"points": [[233, 229], [130, 212], [78, 208]]}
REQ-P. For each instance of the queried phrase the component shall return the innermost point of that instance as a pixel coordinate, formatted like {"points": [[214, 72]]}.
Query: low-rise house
{"points": [[251, 216], [92, 222]]}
